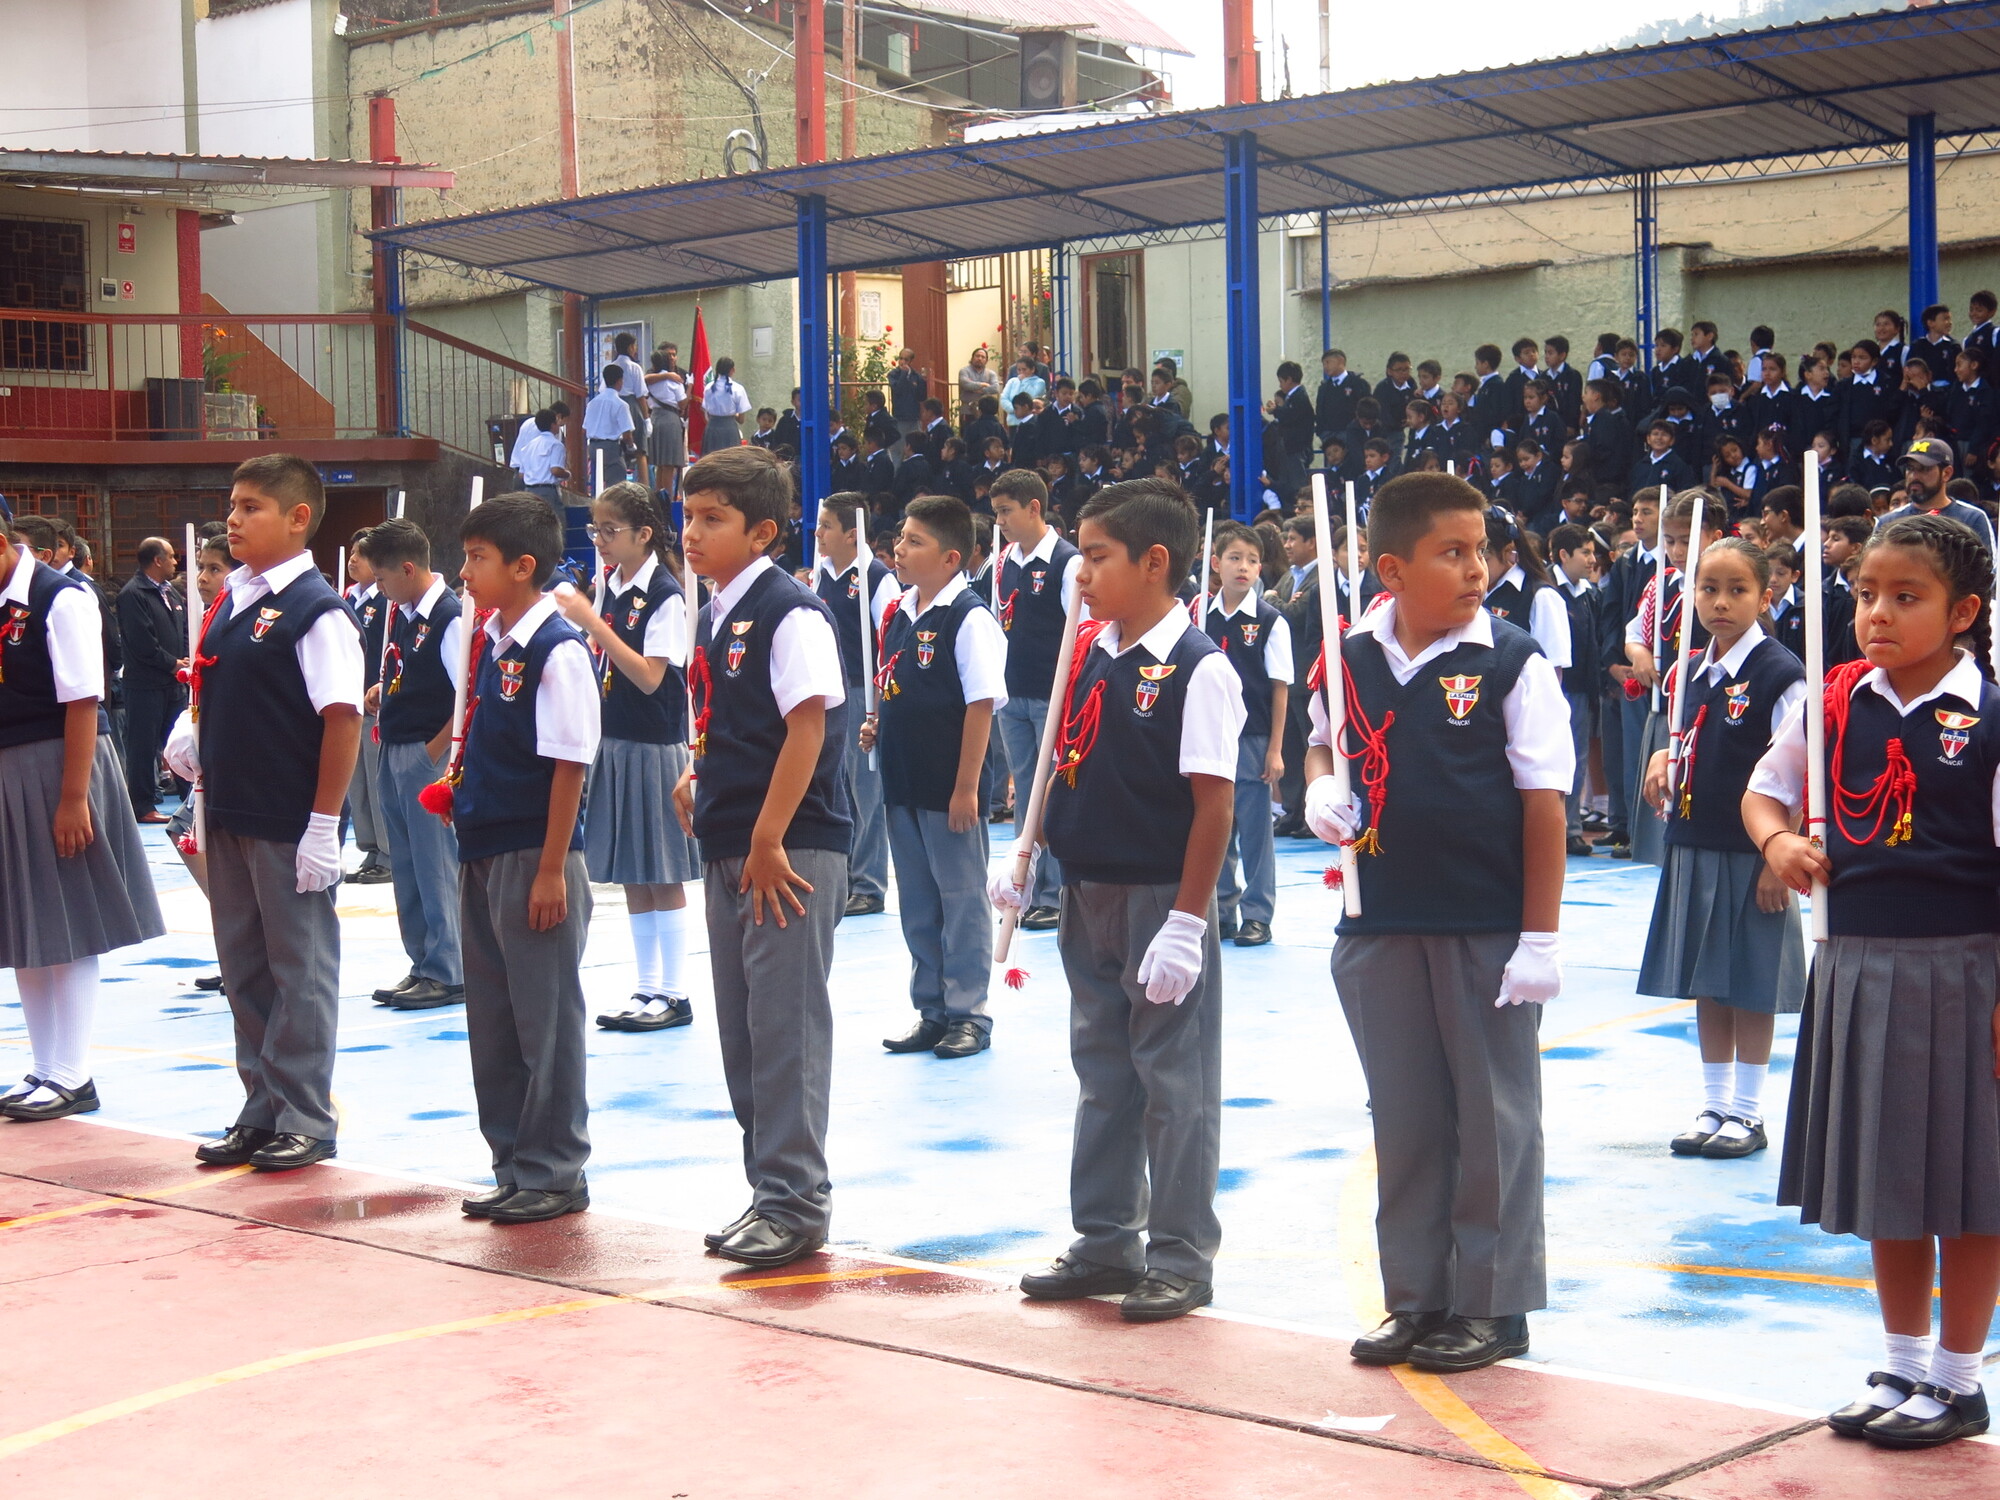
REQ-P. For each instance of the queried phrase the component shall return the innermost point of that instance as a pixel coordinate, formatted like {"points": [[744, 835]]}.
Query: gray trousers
{"points": [[524, 1020], [1455, 1088], [423, 859], [1251, 844], [775, 1023], [996, 768], [868, 854], [362, 805], [1149, 1088], [1020, 725], [280, 958], [947, 923], [1579, 736]]}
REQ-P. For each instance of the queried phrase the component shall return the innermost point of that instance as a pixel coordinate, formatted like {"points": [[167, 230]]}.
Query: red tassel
{"points": [[1015, 979], [436, 799], [1333, 879], [186, 844]]}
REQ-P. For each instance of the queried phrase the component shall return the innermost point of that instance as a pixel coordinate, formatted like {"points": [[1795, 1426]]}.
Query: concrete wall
{"points": [[269, 261], [257, 55], [121, 58], [152, 268]]}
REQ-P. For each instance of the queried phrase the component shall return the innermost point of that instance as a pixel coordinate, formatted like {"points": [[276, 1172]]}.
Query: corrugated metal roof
{"points": [[1099, 20], [1816, 89], [145, 170]]}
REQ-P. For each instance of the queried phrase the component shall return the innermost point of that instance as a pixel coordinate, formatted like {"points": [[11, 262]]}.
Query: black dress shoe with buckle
{"points": [[1690, 1142], [533, 1205], [288, 1152], [1071, 1276], [1963, 1416], [714, 1240], [863, 906], [1720, 1147], [212, 983], [28, 1084], [1254, 935], [1041, 919], [919, 1038], [237, 1146], [767, 1243], [962, 1039], [388, 996], [80, 1100], [1161, 1295], [1471, 1344], [1399, 1334], [428, 994], [1850, 1419], [679, 1012], [483, 1204]]}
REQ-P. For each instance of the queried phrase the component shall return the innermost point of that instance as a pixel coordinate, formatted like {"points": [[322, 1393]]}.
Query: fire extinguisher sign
{"points": [[128, 239]]}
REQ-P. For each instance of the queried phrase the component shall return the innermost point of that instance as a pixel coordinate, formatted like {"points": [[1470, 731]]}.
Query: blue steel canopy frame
{"points": [[815, 384], [1923, 217], [1244, 324]]}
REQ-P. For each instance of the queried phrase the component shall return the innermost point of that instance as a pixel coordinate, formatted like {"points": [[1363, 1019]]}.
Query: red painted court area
{"points": [[209, 1332]]}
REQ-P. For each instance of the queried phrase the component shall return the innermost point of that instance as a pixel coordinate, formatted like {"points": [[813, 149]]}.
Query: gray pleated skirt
{"points": [[1709, 941], [720, 433], [52, 910], [1894, 1127], [667, 443], [630, 833], [1649, 833]]}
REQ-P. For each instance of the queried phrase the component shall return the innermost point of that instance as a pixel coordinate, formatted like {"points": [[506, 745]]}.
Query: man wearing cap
{"points": [[1926, 472]]}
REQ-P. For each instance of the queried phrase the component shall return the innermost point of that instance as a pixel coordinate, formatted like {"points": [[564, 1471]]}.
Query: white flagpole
{"points": [[470, 616], [388, 629], [1678, 695], [1659, 631], [196, 613], [867, 600], [1353, 557], [597, 460], [1038, 787], [1207, 561], [1815, 609], [1336, 681]]}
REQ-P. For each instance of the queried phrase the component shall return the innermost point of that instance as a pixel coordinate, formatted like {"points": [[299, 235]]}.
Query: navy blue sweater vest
{"points": [[921, 713], [1031, 612], [1450, 827], [373, 613], [28, 708], [630, 713], [746, 731], [1242, 639], [1734, 716], [842, 597], [1944, 880], [1516, 603], [502, 803], [416, 700], [1127, 819], [260, 737]]}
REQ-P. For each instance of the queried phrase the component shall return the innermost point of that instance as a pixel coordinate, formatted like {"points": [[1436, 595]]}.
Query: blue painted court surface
{"points": [[1662, 1269]]}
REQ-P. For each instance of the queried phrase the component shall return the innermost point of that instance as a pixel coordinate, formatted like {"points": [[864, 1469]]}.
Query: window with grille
{"points": [[44, 265]]}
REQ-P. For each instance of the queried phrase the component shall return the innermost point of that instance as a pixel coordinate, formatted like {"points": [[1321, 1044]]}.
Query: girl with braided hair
{"points": [[1895, 1109]]}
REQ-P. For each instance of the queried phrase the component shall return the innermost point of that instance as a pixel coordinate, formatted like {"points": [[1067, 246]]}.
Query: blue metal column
{"points": [[1246, 416], [1325, 293], [392, 275], [815, 379], [1923, 218], [1646, 261]]}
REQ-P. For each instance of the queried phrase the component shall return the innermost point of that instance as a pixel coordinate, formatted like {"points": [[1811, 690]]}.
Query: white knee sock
{"points": [[1909, 1355], [670, 928], [1715, 1087], [60, 1019], [646, 949], [1955, 1372], [38, 1009]]}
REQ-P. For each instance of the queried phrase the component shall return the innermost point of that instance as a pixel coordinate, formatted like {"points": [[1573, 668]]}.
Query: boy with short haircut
{"points": [[608, 426], [363, 811], [1258, 642], [763, 796], [942, 673], [1139, 812], [1442, 973], [280, 730], [1572, 553], [531, 732]]}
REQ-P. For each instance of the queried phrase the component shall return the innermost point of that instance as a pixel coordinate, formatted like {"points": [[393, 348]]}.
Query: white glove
{"points": [[182, 757], [1330, 819], [1000, 888], [1173, 959], [318, 864], [1534, 975]]}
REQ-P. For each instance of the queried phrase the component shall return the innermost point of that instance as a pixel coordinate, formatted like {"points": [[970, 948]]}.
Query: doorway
{"points": [[1113, 321]]}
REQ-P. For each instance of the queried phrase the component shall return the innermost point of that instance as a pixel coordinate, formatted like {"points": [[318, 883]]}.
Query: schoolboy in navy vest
{"points": [[1573, 554], [1257, 639], [764, 797], [942, 673], [412, 706], [363, 806], [1035, 571], [524, 897], [279, 732], [838, 584], [1139, 811], [1443, 973]]}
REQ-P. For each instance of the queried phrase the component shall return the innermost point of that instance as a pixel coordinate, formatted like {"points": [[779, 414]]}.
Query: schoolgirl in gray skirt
{"points": [[1894, 1131], [631, 836], [73, 876]]}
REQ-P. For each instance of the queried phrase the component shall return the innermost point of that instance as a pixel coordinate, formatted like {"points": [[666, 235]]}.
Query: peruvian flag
{"points": [[697, 414]]}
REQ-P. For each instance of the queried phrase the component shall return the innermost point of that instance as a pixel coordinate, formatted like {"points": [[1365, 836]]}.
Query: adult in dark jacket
{"points": [[152, 629]]}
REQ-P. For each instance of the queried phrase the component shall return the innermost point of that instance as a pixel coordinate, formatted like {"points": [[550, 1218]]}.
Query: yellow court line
{"points": [[98, 1205], [1616, 1021]]}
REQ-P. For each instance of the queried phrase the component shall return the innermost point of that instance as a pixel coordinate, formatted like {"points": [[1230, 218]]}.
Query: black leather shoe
{"points": [[1690, 1142], [285, 1153], [1227, 926], [1621, 849], [1849, 1420], [388, 996], [1161, 1295], [863, 906], [212, 983], [1040, 919], [428, 994], [485, 1203], [1290, 828], [765, 1242], [919, 1038], [80, 1100], [236, 1147], [714, 1240], [963, 1039], [1471, 1344], [679, 1012], [1071, 1276], [614, 1020], [1721, 1148], [1962, 1417], [370, 873], [1001, 815], [532, 1205], [1254, 935], [1399, 1334], [1579, 847], [28, 1084]]}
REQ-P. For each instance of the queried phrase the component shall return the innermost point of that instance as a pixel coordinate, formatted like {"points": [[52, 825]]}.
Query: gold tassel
{"points": [[1902, 832], [1368, 843]]}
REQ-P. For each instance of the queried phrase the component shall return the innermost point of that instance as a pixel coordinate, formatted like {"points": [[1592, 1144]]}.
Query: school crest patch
{"points": [[1036, 580], [261, 626], [510, 678], [926, 647], [1461, 694], [1738, 701], [1250, 630], [1954, 732], [1496, 611], [368, 615], [638, 608], [423, 634], [736, 652], [1148, 691], [854, 587], [17, 624]]}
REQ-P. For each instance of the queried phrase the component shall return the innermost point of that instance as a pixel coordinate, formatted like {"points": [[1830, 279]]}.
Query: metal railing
{"points": [[453, 391]]}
